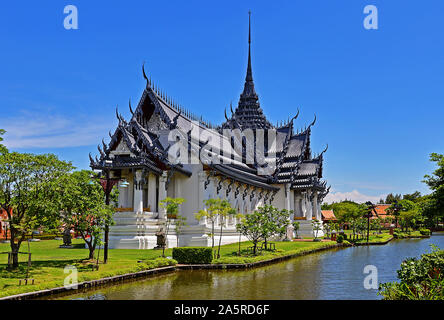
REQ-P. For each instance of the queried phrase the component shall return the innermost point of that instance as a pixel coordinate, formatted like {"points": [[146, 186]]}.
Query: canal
{"points": [[334, 274]]}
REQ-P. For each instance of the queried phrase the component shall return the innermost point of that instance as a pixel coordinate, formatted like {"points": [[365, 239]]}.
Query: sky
{"points": [[377, 94]]}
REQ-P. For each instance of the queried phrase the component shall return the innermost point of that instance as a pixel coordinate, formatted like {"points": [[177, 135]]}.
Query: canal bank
{"points": [[332, 274], [280, 256]]}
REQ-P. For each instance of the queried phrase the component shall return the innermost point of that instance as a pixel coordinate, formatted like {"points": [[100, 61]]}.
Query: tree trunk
{"points": [[106, 240], [15, 248], [212, 237], [220, 240], [14, 259], [91, 254], [91, 248]]}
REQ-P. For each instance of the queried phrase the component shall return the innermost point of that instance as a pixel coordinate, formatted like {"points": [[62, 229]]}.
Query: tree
{"points": [[171, 206], [391, 198], [241, 219], [251, 227], [435, 206], [179, 223], [223, 211], [316, 228], [404, 206], [296, 226], [415, 196], [274, 222], [2, 147], [264, 223], [210, 212], [28, 193], [82, 205]]}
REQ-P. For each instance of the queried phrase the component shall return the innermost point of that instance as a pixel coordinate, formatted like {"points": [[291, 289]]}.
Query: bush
{"points": [[420, 279], [340, 238], [155, 263], [424, 231], [188, 255]]}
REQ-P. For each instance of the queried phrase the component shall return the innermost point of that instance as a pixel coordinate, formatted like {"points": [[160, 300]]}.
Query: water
{"points": [[334, 274]]}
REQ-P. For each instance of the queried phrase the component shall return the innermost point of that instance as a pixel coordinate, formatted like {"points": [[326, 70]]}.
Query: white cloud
{"points": [[53, 131], [354, 195]]}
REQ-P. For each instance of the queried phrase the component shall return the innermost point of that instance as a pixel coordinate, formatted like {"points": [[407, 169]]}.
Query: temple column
{"points": [[303, 204], [287, 196], [290, 227], [138, 192], [162, 194], [152, 191], [292, 207], [315, 205], [297, 206], [201, 190], [201, 194], [308, 207]]}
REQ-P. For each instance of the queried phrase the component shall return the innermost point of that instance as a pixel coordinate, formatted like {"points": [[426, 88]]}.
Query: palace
{"points": [[139, 155]]}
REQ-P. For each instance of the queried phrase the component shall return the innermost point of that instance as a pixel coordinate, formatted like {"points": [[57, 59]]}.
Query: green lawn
{"points": [[49, 261], [229, 253], [376, 238]]}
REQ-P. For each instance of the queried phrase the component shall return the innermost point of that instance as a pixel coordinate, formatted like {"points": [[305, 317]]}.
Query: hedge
{"points": [[196, 255]]}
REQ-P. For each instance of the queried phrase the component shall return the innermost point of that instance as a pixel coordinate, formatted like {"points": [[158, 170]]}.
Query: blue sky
{"points": [[378, 94]]}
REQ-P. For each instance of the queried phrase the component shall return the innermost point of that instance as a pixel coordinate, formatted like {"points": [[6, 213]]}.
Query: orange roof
{"points": [[381, 211], [380, 208], [328, 215]]}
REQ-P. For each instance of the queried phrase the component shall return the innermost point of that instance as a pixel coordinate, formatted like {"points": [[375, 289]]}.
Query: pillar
{"points": [[315, 205], [292, 207], [308, 206], [138, 192], [201, 194], [297, 206], [162, 194], [287, 197], [152, 191]]}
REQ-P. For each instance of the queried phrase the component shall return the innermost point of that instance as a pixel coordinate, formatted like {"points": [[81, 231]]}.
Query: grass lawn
{"points": [[229, 252], [411, 234], [49, 261], [376, 238]]}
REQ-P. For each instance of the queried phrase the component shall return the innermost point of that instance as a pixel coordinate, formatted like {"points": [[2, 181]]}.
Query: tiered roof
{"points": [[143, 141]]}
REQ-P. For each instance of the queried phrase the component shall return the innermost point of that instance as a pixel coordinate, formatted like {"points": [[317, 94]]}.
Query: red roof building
{"points": [[4, 225], [328, 215]]}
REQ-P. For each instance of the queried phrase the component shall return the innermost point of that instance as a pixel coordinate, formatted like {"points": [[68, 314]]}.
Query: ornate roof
{"points": [[143, 141], [248, 114]]}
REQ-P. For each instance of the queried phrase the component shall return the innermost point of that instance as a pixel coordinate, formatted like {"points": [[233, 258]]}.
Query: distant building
{"points": [[4, 225], [381, 210], [328, 216]]}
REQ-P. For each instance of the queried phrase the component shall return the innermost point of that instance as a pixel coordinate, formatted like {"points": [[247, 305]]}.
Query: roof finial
{"points": [[249, 72]]}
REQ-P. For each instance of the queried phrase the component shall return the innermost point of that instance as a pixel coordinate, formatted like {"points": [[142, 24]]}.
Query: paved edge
{"points": [[151, 272]]}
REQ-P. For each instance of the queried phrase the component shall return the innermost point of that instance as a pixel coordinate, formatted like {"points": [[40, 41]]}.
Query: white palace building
{"points": [[139, 155]]}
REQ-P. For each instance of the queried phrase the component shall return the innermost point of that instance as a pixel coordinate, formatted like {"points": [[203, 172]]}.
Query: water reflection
{"points": [[335, 274]]}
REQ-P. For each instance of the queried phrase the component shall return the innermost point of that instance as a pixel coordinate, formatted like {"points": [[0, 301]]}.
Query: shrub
{"points": [[420, 279], [155, 263], [188, 255], [424, 231], [340, 238]]}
